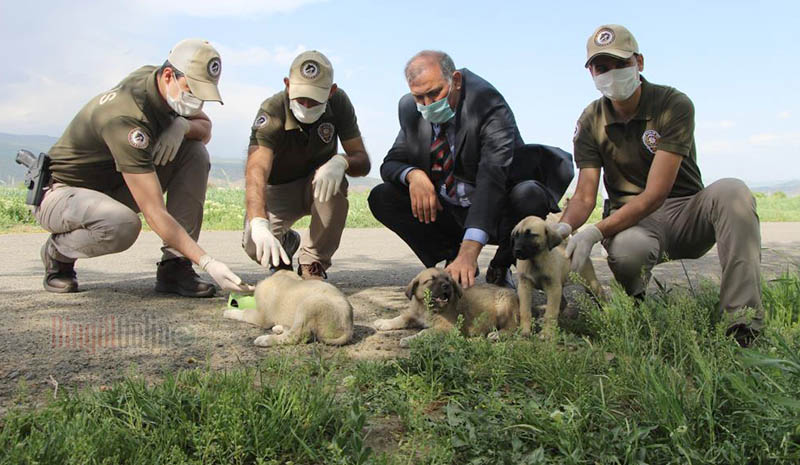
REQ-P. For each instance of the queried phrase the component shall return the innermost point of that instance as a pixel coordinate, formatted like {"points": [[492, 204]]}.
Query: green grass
{"points": [[656, 383], [224, 210]]}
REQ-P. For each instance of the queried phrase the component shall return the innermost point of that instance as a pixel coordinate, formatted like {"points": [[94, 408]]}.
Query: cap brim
{"points": [[624, 54], [205, 91], [320, 94]]}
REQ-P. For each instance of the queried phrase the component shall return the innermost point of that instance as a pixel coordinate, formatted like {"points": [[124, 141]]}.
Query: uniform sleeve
{"points": [[346, 123], [587, 152], [267, 130], [677, 125], [130, 143]]}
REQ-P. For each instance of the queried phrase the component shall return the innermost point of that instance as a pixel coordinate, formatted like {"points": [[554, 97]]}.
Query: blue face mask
{"points": [[437, 112]]}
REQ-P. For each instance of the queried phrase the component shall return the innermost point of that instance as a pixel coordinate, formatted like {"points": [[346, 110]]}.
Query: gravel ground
{"points": [[118, 323]]}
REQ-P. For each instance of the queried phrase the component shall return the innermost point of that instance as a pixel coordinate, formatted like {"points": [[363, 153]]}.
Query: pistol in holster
{"points": [[38, 176]]}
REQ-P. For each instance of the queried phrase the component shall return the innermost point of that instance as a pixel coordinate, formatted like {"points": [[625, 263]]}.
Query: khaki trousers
{"points": [[88, 223], [287, 203], [687, 227]]}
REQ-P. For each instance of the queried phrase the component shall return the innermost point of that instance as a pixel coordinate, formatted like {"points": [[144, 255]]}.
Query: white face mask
{"points": [[307, 115], [185, 104], [618, 84]]}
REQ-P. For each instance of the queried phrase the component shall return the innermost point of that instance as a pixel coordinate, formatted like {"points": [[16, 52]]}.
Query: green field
{"points": [[656, 383], [224, 210]]}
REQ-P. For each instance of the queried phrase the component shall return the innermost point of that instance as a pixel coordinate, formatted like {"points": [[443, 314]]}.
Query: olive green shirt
{"points": [[114, 133], [298, 148], [664, 120]]}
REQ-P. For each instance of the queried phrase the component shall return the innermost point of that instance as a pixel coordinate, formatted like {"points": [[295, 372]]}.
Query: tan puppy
{"points": [[542, 263], [297, 309], [437, 301]]}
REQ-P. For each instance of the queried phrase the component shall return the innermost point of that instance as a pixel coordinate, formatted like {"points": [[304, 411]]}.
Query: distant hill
{"points": [[790, 188], [225, 172]]}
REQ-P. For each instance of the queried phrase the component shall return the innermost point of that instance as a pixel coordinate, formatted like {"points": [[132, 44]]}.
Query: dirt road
{"points": [[119, 323]]}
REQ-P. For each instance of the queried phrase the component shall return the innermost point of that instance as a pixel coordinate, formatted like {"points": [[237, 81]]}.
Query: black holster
{"points": [[38, 176]]}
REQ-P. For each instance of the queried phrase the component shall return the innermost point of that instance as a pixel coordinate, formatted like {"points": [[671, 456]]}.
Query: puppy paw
{"points": [[382, 325], [278, 329], [232, 313], [548, 331], [265, 341], [406, 341]]}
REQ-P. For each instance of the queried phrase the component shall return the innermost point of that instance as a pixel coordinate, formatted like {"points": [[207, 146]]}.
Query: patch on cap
{"points": [[309, 69], [260, 121], [138, 138], [604, 37], [214, 67], [325, 132], [650, 140]]}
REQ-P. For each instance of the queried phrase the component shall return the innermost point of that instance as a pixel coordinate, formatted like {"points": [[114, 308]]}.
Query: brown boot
{"points": [[312, 271], [176, 276], [59, 276]]}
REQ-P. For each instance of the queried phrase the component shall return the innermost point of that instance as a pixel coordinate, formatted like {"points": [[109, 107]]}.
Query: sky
{"points": [[737, 61]]}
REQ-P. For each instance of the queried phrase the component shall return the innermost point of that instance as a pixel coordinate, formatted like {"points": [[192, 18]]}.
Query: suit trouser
{"points": [[287, 203], [440, 240], [88, 223], [687, 227]]}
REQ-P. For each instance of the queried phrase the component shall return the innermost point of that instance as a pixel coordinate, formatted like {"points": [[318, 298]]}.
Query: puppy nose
{"points": [[445, 286]]}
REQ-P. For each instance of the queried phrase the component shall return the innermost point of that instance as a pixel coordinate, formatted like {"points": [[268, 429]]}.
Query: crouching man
{"points": [[120, 154]]}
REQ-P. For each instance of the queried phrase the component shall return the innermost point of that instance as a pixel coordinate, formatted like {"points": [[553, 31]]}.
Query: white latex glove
{"points": [[329, 177], [226, 279], [580, 246], [268, 247], [563, 230], [170, 141]]}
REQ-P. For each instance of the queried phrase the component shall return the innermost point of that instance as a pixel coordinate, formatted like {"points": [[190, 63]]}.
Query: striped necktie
{"points": [[442, 160]]}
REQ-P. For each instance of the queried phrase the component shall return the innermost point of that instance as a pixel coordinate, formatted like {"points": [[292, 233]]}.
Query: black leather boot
{"points": [[176, 276], [59, 276]]}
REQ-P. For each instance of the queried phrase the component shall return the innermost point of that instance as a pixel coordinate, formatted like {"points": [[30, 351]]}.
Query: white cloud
{"points": [[784, 115], [775, 139], [721, 124], [258, 56], [230, 8]]}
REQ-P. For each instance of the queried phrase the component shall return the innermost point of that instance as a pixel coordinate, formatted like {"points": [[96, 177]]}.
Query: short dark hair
{"points": [[446, 64], [169, 65]]}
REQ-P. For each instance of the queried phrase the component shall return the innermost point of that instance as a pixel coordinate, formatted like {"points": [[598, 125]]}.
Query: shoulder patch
{"points": [[309, 69], [325, 132], [138, 138], [604, 37], [577, 131], [650, 140], [261, 120]]}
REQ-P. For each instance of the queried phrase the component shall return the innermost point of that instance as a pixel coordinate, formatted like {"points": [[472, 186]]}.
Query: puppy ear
{"points": [[458, 291], [552, 236], [412, 288]]}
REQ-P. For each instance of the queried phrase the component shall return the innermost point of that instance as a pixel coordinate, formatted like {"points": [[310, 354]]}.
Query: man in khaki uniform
{"points": [[123, 150], [641, 135], [293, 169]]}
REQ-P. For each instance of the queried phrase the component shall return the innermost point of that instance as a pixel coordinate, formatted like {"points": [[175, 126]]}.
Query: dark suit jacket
{"points": [[485, 142]]}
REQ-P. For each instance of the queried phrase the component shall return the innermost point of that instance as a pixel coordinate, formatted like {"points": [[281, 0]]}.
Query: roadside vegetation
{"points": [[224, 210], [655, 383]]}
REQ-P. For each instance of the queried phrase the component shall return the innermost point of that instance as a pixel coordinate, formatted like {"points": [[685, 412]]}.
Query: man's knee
{"points": [[529, 198], [732, 196], [197, 154], [120, 229], [380, 200], [631, 253]]}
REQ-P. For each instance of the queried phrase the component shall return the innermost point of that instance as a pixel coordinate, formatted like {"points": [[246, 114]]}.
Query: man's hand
{"points": [[424, 202], [268, 247], [329, 177], [462, 269], [170, 141], [226, 279], [580, 246], [563, 230]]}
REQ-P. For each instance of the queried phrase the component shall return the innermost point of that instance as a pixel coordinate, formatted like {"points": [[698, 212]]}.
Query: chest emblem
{"points": [[604, 37], [650, 140], [138, 139], [260, 121], [325, 132]]}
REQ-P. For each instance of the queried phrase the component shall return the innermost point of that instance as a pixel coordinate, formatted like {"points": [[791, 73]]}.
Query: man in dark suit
{"points": [[460, 163]]}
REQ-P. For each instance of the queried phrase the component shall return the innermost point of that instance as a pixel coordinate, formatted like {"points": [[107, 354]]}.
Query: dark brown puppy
{"points": [[437, 301], [543, 264]]}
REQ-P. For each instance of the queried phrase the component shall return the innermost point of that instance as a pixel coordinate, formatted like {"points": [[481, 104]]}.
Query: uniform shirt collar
{"points": [[643, 112]]}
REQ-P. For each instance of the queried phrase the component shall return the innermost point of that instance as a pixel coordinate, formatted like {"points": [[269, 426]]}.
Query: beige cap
{"points": [[201, 64], [311, 76], [613, 40]]}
